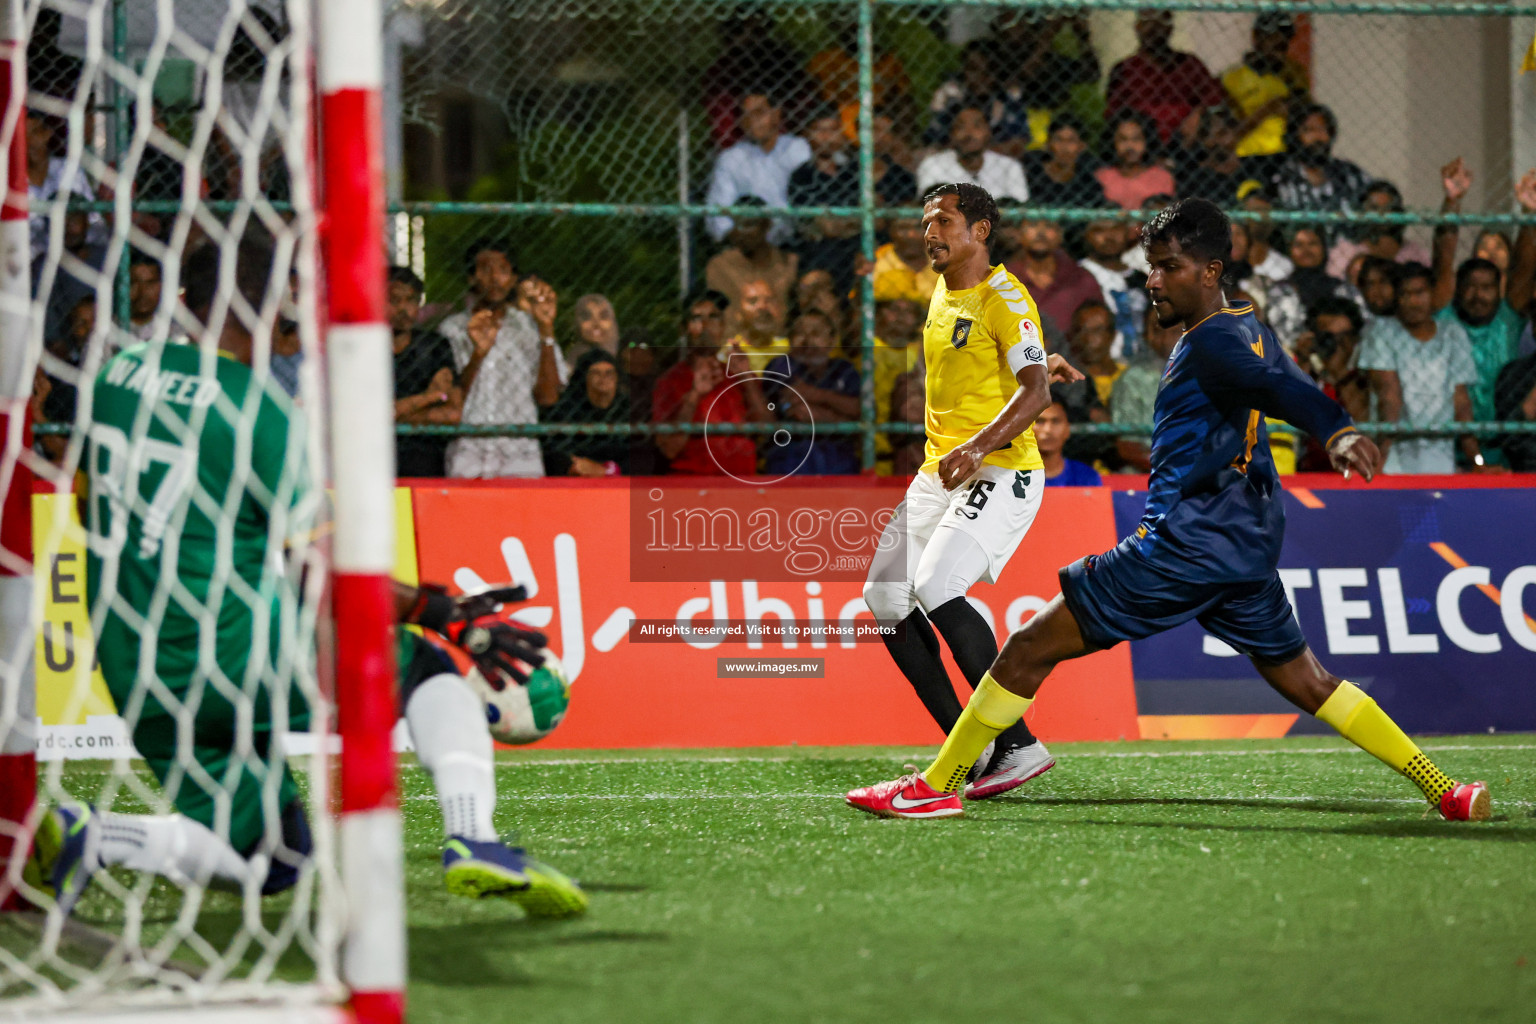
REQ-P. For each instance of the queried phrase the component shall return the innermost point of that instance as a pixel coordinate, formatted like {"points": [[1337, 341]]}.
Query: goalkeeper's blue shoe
{"points": [[479, 870], [63, 854]]}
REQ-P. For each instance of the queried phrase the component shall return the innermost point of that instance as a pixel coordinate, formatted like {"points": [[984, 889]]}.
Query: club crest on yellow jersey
{"points": [[961, 333]]}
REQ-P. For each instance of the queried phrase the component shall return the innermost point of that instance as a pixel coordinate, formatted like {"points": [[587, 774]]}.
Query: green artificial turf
{"points": [[1289, 880]]}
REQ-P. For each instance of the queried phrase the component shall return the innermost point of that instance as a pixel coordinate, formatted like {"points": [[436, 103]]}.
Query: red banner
{"points": [[569, 542]]}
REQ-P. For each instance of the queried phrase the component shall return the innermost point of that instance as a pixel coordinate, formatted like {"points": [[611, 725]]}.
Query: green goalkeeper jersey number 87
{"points": [[196, 478]]}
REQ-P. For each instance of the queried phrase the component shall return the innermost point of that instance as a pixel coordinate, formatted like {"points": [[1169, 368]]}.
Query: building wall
{"points": [[1411, 93], [1414, 93]]}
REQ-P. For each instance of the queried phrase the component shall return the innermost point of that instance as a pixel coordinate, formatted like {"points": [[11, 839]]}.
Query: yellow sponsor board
{"points": [[405, 537], [75, 710], [69, 685]]}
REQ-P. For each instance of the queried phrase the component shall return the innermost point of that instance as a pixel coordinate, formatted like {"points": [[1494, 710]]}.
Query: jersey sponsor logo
{"points": [[1028, 349], [1029, 335], [961, 334]]}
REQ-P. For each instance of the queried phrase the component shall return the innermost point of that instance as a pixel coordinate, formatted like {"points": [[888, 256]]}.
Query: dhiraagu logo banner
{"points": [[76, 716]]}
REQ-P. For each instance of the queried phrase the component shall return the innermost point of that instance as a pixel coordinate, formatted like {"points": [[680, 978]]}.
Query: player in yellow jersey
{"points": [[980, 485]]}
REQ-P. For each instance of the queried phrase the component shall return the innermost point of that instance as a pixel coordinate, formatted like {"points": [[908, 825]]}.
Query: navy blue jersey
{"points": [[1213, 507]]}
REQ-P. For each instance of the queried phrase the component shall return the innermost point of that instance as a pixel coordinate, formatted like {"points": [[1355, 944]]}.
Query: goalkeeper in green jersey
{"points": [[194, 482]]}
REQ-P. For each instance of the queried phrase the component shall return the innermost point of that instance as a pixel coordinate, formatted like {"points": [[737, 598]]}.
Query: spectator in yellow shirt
{"points": [[1265, 84], [898, 324], [902, 270], [1091, 336], [759, 315]]}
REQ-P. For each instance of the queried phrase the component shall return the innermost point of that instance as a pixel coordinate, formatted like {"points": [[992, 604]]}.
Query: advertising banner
{"points": [[1424, 598], [691, 614], [702, 616], [75, 712], [76, 716]]}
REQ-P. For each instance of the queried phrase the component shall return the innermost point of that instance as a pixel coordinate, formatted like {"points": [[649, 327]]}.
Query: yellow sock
{"points": [[991, 710], [1360, 720]]}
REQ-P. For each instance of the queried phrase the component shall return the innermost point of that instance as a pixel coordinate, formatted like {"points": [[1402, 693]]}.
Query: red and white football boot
{"points": [[1467, 801], [907, 797]]}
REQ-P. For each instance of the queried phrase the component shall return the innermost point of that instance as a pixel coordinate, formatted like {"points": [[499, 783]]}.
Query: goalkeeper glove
{"points": [[501, 651]]}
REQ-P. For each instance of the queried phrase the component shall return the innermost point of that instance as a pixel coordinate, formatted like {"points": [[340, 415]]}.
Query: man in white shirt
{"points": [[759, 165], [969, 158], [46, 180], [508, 364]]}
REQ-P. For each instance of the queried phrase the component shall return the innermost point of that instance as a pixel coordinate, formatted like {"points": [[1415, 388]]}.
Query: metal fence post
{"points": [[867, 216], [120, 135], [684, 269]]}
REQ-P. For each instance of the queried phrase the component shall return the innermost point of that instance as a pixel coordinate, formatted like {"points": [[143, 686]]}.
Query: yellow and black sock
{"points": [[1360, 720], [991, 710], [974, 647]]}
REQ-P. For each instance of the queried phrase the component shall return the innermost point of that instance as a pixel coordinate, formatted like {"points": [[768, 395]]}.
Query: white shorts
{"points": [[945, 541]]}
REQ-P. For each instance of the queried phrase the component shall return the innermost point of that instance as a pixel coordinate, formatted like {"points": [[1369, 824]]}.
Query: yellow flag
{"points": [[1529, 63]]}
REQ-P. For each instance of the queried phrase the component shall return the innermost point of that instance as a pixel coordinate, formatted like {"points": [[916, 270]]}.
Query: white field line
{"points": [[750, 759], [1070, 755], [1243, 797], [521, 797]]}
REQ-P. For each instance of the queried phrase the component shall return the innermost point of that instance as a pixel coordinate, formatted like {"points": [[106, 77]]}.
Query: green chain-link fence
{"points": [[607, 150]]}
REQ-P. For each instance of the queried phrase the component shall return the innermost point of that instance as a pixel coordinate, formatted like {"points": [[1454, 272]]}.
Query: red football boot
{"points": [[907, 797], [1467, 801]]}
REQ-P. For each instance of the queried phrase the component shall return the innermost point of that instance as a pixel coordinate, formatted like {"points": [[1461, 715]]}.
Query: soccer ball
{"points": [[526, 714]]}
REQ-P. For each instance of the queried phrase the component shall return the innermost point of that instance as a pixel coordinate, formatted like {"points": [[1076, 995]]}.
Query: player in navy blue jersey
{"points": [[1208, 544]]}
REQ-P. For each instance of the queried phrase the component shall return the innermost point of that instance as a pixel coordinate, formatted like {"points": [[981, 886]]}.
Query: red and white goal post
{"points": [[311, 107]]}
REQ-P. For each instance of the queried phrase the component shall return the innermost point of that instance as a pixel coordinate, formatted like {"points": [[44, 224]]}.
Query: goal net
{"points": [[161, 378]]}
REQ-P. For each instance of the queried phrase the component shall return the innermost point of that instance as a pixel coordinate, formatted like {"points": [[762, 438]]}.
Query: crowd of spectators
{"points": [[1341, 300], [1394, 331]]}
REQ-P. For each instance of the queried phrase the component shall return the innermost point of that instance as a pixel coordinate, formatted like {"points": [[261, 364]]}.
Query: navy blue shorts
{"points": [[1121, 595]]}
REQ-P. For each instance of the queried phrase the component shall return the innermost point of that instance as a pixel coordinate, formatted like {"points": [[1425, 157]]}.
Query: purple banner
{"points": [[1426, 599]]}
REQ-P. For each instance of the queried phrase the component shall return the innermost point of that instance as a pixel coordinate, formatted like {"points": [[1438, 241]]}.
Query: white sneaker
{"points": [[980, 767], [1014, 768]]}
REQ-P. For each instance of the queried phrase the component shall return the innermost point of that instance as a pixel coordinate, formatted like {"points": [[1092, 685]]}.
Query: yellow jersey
{"points": [[891, 361], [1282, 445], [895, 280], [757, 356], [1104, 383], [966, 344], [1250, 90]]}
